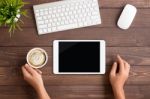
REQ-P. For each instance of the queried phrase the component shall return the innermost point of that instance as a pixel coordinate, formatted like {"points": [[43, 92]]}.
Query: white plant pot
{"points": [[17, 17]]}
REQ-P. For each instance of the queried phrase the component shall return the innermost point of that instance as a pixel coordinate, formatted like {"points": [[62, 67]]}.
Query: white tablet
{"points": [[79, 57]]}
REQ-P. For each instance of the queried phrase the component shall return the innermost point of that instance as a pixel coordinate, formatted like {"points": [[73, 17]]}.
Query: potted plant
{"points": [[10, 13]]}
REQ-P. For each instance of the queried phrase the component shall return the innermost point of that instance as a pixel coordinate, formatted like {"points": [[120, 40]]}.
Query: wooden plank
{"points": [[16, 56], [121, 3], [109, 18], [74, 92], [112, 36], [138, 75], [102, 3], [11, 56], [16, 97]]}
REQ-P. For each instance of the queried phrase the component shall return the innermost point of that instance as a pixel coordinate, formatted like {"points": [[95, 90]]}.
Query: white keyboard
{"points": [[66, 14]]}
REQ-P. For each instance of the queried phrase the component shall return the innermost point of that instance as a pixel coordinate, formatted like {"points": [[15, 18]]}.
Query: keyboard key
{"points": [[44, 17], [49, 16], [40, 22], [37, 14], [49, 29], [64, 27], [42, 26], [49, 25], [53, 24], [80, 24], [46, 21], [40, 31], [46, 12], [41, 13], [50, 20], [39, 18], [37, 11], [45, 30], [54, 29]]}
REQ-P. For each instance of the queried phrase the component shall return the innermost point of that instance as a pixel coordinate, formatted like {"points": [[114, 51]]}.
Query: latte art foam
{"points": [[37, 58]]}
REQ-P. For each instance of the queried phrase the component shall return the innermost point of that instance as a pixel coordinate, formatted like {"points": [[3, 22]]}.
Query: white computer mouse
{"points": [[127, 16]]}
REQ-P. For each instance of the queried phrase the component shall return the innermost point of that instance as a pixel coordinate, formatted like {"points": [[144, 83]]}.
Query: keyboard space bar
{"points": [[66, 27]]}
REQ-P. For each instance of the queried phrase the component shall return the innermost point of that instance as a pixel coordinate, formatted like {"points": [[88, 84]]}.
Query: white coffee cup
{"points": [[37, 57]]}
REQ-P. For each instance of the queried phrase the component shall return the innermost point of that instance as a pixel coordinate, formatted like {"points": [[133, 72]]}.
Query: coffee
{"points": [[37, 57]]}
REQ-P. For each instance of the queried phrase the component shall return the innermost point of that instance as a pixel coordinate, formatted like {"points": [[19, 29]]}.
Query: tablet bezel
{"points": [[56, 56]]}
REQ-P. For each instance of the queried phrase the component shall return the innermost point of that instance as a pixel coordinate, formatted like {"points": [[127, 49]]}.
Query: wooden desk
{"points": [[132, 44]]}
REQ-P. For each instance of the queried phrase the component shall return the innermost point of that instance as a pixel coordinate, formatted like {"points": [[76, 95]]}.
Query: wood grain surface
{"points": [[132, 44]]}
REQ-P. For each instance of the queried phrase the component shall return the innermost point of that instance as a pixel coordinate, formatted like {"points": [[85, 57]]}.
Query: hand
{"points": [[33, 77], [119, 78]]}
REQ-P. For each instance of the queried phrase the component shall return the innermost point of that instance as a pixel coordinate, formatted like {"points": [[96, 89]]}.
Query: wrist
{"points": [[39, 88], [117, 88], [119, 93], [42, 93]]}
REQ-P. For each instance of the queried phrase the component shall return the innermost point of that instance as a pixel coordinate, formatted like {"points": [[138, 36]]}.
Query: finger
{"points": [[25, 72], [127, 65], [114, 69], [121, 63], [40, 72], [30, 69]]}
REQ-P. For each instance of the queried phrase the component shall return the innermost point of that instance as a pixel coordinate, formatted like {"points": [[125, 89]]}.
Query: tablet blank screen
{"points": [[79, 57]]}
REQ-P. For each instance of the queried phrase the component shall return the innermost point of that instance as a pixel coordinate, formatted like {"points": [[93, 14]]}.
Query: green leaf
{"points": [[24, 13], [8, 21], [21, 21], [1, 23], [19, 27]]}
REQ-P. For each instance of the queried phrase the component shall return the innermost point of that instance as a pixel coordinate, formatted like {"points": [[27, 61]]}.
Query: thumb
{"points": [[114, 69]]}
